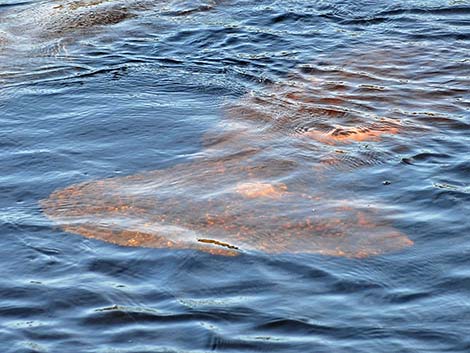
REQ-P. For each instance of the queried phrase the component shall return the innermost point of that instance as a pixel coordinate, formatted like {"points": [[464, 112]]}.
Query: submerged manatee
{"points": [[221, 207], [33, 36], [48, 20], [51, 20], [265, 180], [56, 38]]}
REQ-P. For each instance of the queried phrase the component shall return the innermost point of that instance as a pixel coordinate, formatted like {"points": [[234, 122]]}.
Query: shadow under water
{"points": [[274, 175]]}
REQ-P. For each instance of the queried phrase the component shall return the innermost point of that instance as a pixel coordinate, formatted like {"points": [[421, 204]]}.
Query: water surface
{"points": [[356, 104]]}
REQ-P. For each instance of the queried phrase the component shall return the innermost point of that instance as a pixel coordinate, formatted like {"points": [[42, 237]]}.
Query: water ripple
{"points": [[291, 85]]}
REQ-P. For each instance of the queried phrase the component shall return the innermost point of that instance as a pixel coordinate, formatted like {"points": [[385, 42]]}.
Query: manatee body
{"points": [[222, 207], [57, 19]]}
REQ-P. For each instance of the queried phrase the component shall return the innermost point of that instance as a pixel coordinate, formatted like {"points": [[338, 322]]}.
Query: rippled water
{"points": [[325, 144]]}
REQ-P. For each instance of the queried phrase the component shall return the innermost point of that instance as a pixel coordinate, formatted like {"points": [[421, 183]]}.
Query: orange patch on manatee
{"points": [[351, 134], [258, 189]]}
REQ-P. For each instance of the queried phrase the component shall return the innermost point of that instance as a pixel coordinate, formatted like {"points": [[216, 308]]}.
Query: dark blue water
{"points": [[87, 94]]}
